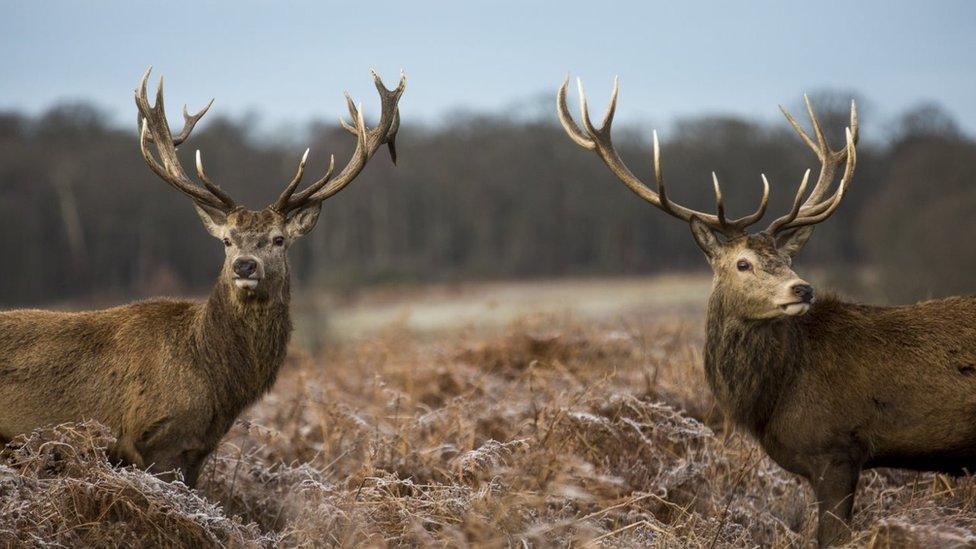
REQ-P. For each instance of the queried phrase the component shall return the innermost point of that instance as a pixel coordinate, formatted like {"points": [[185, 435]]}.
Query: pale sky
{"points": [[290, 61]]}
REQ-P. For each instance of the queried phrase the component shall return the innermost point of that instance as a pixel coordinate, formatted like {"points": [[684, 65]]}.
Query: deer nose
{"points": [[244, 267], [804, 292]]}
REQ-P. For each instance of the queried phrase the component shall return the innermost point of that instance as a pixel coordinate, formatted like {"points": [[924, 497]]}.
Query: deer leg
{"points": [[193, 460], [126, 453], [164, 463], [834, 488], [166, 450]]}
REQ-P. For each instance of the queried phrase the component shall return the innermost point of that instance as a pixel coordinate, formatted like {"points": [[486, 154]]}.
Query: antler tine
{"points": [[368, 140], [799, 129], [293, 184], [584, 111], [599, 140], [281, 205], [394, 128], [562, 110], [197, 194], [829, 159], [318, 190], [210, 185], [815, 208], [659, 176], [797, 202], [755, 216], [608, 115], [811, 217], [353, 113], [719, 206], [189, 120], [603, 132], [155, 129], [739, 225], [602, 144], [385, 94], [817, 130], [359, 154], [611, 106], [391, 137]]}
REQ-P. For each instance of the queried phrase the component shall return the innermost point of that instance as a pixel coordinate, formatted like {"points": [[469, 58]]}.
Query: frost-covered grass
{"points": [[554, 433]]}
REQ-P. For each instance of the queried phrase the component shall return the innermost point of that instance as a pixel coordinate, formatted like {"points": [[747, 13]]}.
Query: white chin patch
{"points": [[247, 283], [796, 309]]}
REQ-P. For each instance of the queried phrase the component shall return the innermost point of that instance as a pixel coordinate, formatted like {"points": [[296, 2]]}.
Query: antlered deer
{"points": [[828, 388], [169, 377]]}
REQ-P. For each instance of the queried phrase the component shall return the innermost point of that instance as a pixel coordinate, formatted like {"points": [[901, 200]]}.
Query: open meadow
{"points": [[437, 274], [532, 414]]}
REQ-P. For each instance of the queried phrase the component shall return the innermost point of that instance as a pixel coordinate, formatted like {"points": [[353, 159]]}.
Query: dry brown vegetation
{"points": [[550, 433]]}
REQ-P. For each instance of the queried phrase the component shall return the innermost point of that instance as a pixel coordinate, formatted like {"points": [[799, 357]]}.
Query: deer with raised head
{"points": [[827, 387], [169, 377]]}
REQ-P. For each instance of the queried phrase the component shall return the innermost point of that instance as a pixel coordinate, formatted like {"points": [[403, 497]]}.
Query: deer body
{"points": [[866, 384], [848, 387], [827, 388], [169, 377]]}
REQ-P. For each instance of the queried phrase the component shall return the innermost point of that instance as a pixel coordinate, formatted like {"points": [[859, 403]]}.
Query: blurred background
{"points": [[488, 186]]}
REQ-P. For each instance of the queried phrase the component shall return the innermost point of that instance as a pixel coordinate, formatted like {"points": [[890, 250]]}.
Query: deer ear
{"points": [[213, 219], [792, 241], [704, 236], [303, 221]]}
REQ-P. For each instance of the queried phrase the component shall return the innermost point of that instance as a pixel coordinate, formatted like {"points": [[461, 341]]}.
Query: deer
{"points": [[167, 376], [828, 388]]}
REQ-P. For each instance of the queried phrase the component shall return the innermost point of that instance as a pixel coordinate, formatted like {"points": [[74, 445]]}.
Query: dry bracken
{"points": [[551, 434]]}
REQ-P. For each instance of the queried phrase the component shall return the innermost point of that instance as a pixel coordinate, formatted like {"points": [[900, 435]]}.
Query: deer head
{"points": [[753, 270], [256, 242]]}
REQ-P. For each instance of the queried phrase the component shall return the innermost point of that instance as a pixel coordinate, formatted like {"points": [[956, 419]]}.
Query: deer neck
{"points": [[751, 365], [241, 340]]}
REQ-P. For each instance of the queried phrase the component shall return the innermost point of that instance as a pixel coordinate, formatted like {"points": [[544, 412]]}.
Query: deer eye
{"points": [[227, 242], [278, 240], [743, 265]]}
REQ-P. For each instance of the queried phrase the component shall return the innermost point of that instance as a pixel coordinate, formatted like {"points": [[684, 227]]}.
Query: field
{"points": [[533, 414]]}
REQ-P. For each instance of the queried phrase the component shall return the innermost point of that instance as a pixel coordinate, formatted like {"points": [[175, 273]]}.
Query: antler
{"points": [[816, 208], [153, 128], [368, 140], [598, 140]]}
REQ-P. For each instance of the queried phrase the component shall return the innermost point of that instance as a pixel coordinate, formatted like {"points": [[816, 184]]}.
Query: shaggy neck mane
{"points": [[752, 364], [242, 343]]}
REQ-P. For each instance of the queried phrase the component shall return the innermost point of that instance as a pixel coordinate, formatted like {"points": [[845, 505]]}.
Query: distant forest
{"points": [[481, 197]]}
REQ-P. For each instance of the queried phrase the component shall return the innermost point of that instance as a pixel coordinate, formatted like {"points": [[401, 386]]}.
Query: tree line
{"points": [[487, 196]]}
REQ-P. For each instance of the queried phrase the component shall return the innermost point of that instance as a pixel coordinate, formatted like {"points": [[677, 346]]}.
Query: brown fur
{"points": [[791, 380], [168, 377], [845, 386]]}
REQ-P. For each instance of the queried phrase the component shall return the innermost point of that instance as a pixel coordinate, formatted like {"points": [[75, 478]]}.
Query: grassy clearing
{"points": [[552, 431]]}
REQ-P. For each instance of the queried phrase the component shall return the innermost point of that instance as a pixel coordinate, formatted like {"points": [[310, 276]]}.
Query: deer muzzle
{"points": [[800, 297], [248, 272]]}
